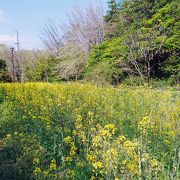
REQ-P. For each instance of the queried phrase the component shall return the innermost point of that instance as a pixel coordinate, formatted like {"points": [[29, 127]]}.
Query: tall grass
{"points": [[56, 131]]}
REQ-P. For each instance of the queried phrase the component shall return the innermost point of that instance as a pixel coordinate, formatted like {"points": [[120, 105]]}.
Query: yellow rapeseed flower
{"points": [[36, 161], [37, 171], [97, 165]]}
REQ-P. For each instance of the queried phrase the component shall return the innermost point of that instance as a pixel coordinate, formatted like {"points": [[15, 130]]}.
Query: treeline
{"points": [[136, 42]]}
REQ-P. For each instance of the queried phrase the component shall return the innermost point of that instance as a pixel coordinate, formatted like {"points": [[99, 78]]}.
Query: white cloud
{"points": [[26, 42], [4, 38], [3, 17]]}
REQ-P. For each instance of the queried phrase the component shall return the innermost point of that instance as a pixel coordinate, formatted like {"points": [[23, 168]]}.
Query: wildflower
{"points": [[68, 159], [48, 126], [90, 157], [133, 168], [74, 132], [96, 141], [121, 139], [144, 124], [68, 140], [37, 171], [72, 150], [53, 164], [167, 142], [154, 163], [104, 133], [46, 173], [80, 164], [36, 161], [90, 114], [110, 126], [79, 118], [71, 172], [97, 165], [92, 178], [8, 135]]}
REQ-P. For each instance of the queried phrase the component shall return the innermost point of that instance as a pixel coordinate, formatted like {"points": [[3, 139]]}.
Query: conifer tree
{"points": [[112, 12]]}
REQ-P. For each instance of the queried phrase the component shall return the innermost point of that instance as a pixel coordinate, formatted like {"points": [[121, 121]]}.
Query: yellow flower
{"points": [[8, 135], [68, 140], [37, 171], [71, 172], [90, 157], [68, 159], [46, 173], [53, 165], [133, 168], [154, 163], [121, 139], [80, 164], [74, 132], [105, 133], [36, 161], [79, 118], [92, 178], [73, 150], [90, 114], [110, 126], [97, 165]]}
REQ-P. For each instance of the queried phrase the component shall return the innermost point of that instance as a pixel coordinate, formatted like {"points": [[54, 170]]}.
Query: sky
{"points": [[28, 17]]}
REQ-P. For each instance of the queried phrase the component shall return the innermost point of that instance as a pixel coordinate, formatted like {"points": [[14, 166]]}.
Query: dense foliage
{"points": [[136, 41], [4, 74], [144, 40], [71, 131]]}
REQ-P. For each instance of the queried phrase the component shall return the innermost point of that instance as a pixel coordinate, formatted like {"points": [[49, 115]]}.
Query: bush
{"points": [[44, 70], [102, 74]]}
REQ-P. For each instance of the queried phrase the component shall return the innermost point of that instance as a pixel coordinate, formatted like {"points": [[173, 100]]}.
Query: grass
{"points": [[73, 131]]}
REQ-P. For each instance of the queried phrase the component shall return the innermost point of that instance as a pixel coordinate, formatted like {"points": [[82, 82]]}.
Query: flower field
{"points": [[72, 131]]}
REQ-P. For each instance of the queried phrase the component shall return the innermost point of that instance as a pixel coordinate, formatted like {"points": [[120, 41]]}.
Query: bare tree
{"points": [[84, 28], [143, 48], [52, 37], [72, 40], [72, 62]]}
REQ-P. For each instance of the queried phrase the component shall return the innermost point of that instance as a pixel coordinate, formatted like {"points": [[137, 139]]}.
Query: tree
{"points": [[4, 74], [52, 37], [85, 28], [112, 12], [43, 71], [71, 41], [73, 62], [144, 41], [145, 48]]}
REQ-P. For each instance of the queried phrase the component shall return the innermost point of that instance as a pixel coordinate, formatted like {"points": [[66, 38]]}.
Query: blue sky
{"points": [[29, 17]]}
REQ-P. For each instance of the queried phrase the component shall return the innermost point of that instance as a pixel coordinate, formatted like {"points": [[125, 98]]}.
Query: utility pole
{"points": [[17, 40], [19, 73], [12, 59]]}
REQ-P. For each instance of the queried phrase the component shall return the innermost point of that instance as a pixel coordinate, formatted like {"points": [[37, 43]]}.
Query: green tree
{"points": [[112, 11], [44, 70], [4, 74], [144, 41]]}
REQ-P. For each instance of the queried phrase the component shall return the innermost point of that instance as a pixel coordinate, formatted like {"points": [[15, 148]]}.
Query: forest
{"points": [[134, 43]]}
